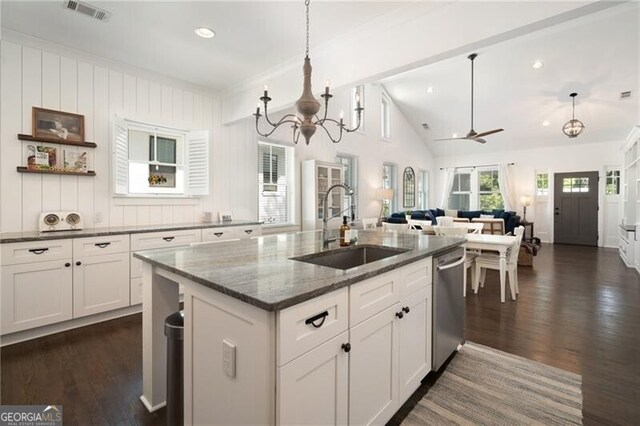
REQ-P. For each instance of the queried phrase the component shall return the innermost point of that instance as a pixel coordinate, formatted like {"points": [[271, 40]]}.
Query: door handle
{"points": [[454, 264]]}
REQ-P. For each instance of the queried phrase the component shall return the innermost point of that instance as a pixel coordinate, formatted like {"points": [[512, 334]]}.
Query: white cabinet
{"points": [[317, 178], [373, 369], [415, 341], [314, 387], [100, 283], [36, 294]]}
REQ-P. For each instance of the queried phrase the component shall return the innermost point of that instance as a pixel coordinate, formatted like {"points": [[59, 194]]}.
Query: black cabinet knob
{"points": [[67, 264], [400, 314], [346, 347], [406, 309], [78, 263]]}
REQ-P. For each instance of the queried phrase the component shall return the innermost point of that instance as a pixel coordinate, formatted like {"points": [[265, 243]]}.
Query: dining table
{"points": [[500, 243]]}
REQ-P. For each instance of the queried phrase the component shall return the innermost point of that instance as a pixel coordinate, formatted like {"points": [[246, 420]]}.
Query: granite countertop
{"points": [[628, 228], [17, 237], [261, 273]]}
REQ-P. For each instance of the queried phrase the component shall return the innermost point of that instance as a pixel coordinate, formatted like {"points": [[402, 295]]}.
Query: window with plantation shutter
{"points": [[274, 196]]}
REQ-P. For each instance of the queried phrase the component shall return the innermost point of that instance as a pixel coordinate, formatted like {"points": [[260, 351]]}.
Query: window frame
{"points": [[459, 191], [423, 189], [542, 192], [288, 183], [392, 204], [353, 160], [616, 177], [494, 191]]}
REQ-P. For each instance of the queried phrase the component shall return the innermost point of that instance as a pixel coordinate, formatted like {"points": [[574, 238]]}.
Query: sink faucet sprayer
{"points": [[325, 239]]}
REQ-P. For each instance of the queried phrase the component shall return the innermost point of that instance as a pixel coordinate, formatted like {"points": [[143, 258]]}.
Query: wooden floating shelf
{"points": [[56, 141], [55, 172]]}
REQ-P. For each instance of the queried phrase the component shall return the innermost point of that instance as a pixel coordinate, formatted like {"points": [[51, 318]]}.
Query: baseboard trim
{"points": [[22, 336], [149, 407]]}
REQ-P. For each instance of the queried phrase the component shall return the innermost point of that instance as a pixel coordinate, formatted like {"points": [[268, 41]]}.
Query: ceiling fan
{"points": [[473, 135]]}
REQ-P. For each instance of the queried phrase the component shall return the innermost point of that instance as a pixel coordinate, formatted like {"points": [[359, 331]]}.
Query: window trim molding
{"points": [[385, 99], [290, 177]]}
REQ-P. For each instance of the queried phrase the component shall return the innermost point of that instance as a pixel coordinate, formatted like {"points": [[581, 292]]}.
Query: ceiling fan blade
{"points": [[488, 132], [479, 140], [449, 139]]}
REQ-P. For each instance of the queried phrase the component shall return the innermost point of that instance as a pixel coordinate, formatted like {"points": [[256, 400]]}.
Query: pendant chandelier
{"points": [[573, 127], [306, 121]]}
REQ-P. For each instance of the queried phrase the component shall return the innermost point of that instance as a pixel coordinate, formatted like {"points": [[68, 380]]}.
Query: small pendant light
{"points": [[573, 127]]}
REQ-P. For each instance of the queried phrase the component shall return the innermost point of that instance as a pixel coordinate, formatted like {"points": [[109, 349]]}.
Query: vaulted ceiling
{"points": [[596, 56]]}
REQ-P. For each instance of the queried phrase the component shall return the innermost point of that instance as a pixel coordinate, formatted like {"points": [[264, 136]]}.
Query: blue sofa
{"points": [[511, 219]]}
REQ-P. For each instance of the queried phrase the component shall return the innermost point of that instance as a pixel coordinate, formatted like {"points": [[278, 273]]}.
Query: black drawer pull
{"points": [[67, 265], [406, 309], [218, 234], [38, 251], [321, 316], [78, 263], [102, 245], [248, 231], [346, 347], [168, 239], [399, 314]]}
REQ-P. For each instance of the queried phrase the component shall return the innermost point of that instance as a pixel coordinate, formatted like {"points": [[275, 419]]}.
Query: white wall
{"points": [[405, 148], [557, 159], [35, 73]]}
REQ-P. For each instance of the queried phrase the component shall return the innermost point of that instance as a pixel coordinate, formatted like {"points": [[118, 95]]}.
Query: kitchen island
{"points": [[274, 340]]}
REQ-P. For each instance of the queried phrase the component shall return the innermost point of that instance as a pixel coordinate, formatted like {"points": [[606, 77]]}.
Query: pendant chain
{"points": [[306, 3]]}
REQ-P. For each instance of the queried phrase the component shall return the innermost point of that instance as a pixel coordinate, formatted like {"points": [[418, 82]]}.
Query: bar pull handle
{"points": [[218, 234], [322, 316], [102, 245], [38, 251], [168, 239]]}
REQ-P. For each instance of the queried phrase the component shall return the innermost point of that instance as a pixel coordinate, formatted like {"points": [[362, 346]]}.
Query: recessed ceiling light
{"points": [[546, 123], [455, 135], [430, 89], [204, 32], [537, 65]]}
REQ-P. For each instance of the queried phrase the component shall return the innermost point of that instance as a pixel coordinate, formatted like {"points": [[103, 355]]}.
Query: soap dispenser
{"points": [[345, 232]]}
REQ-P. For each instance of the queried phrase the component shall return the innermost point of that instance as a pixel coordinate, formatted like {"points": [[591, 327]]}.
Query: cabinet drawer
{"points": [[36, 251], [100, 245], [415, 276], [246, 232], [155, 240], [374, 295], [297, 333], [218, 234]]}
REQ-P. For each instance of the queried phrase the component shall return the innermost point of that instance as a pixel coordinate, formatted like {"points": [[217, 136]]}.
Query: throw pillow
{"points": [[451, 213], [487, 216]]}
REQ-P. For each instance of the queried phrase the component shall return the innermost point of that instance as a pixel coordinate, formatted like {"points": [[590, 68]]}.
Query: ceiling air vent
{"points": [[625, 95], [426, 126], [88, 10]]}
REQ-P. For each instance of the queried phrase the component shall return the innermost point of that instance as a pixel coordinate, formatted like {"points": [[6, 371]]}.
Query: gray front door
{"points": [[575, 208]]}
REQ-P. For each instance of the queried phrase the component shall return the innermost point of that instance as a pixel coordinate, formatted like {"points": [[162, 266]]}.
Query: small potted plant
{"points": [[407, 215]]}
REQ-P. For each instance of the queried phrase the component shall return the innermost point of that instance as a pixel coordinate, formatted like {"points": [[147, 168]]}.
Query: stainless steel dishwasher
{"points": [[448, 305]]}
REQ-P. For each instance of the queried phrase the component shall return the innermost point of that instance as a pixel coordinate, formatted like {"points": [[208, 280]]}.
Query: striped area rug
{"points": [[484, 386]]}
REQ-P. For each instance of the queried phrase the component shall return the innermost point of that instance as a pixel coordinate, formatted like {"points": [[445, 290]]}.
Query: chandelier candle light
{"points": [[573, 127], [307, 120]]}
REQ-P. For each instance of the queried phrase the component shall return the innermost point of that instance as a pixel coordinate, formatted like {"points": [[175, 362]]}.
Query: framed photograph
{"points": [[57, 125]]}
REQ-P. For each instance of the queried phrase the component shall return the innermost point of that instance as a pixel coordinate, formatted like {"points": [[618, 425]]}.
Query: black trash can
{"points": [[174, 330]]}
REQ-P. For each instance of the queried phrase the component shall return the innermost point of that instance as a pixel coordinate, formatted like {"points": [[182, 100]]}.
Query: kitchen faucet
{"points": [[325, 239]]}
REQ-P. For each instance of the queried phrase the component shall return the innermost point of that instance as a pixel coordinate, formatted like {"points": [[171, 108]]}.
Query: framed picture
{"points": [[57, 125]]}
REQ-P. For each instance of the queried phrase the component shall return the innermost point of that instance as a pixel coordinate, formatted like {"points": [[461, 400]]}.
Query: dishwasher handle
{"points": [[453, 264]]}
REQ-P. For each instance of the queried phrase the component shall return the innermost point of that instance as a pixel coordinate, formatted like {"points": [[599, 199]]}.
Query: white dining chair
{"points": [[395, 227], [469, 263], [370, 223], [492, 261], [444, 220], [472, 228]]}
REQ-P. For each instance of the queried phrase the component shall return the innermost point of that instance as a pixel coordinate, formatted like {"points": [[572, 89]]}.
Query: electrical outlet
{"points": [[229, 358], [97, 217]]}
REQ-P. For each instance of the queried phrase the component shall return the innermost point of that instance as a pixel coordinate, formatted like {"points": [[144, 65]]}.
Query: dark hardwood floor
{"points": [[579, 310]]}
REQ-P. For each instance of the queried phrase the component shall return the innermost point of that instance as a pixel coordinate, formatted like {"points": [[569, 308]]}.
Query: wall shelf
{"points": [[57, 141], [55, 172]]}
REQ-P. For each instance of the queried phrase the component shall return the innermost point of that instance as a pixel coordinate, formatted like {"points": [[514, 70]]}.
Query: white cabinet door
{"points": [[373, 369], [36, 294], [415, 341], [312, 389], [100, 283]]}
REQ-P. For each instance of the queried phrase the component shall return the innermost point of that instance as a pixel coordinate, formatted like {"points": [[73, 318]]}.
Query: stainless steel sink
{"points": [[347, 258]]}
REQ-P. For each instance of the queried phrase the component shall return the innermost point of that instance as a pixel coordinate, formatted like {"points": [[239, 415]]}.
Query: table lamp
{"points": [[525, 200], [384, 194]]}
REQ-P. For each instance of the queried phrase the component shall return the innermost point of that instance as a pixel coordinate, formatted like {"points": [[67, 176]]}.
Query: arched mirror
{"points": [[409, 187]]}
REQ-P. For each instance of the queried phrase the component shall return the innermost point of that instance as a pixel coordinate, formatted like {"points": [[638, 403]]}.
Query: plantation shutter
{"points": [[197, 164], [273, 204], [120, 154]]}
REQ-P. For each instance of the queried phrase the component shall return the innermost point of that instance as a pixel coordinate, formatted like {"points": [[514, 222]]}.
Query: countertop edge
{"points": [[278, 306], [99, 232]]}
